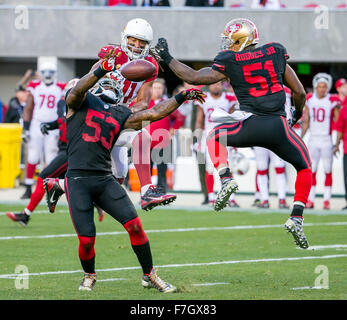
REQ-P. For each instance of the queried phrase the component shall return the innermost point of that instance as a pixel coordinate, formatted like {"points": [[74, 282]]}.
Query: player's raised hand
{"points": [[193, 94], [109, 62], [162, 50]]}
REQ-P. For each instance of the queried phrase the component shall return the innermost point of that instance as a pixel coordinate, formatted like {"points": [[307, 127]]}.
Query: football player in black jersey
{"points": [[257, 75], [94, 121]]}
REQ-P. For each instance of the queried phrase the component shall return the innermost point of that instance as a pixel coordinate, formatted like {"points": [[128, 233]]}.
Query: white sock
{"points": [[263, 185], [312, 194], [281, 185], [27, 212], [211, 196], [299, 203], [327, 193]]}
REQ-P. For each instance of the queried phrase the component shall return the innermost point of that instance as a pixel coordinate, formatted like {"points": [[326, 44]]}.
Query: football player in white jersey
{"points": [[263, 157], [322, 108], [42, 106], [216, 98], [136, 39]]}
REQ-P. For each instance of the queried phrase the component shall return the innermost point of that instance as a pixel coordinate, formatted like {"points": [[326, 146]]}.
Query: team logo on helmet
{"points": [[234, 28]]}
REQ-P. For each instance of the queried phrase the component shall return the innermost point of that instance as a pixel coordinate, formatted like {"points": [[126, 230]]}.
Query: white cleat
{"points": [[229, 186], [294, 225], [88, 282], [153, 281]]}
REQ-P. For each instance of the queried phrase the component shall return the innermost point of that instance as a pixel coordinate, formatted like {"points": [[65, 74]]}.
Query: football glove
{"points": [[44, 127], [108, 64], [296, 116], [190, 94], [25, 136], [162, 50]]}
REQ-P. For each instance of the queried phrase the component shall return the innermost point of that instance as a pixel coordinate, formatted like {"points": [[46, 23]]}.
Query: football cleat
{"points": [[256, 203], [326, 205], [152, 280], [294, 225], [265, 204], [228, 187], [88, 282], [53, 192], [155, 197], [21, 217], [309, 205], [283, 204]]}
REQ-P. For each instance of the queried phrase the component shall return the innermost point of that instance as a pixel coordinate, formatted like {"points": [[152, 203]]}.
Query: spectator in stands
{"points": [[155, 3], [113, 3], [266, 4], [204, 3], [341, 88], [16, 106]]}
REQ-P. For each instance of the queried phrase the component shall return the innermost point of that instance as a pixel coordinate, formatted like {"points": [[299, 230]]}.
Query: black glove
{"points": [[296, 116], [162, 50], [44, 127], [190, 94]]}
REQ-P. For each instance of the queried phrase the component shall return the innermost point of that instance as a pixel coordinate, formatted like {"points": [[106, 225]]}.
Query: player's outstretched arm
{"points": [[77, 94], [163, 109], [184, 72]]}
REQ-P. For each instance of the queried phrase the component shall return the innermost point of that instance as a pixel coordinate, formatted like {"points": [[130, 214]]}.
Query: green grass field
{"points": [[252, 259]]}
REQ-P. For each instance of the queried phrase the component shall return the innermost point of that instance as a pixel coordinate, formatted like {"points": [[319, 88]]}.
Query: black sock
{"points": [[88, 265], [224, 173], [298, 211], [144, 255]]}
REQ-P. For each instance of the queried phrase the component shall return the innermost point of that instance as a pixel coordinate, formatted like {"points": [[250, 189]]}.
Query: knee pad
{"points": [[86, 248], [136, 233]]}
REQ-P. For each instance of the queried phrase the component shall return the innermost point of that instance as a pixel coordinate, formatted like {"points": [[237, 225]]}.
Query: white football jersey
{"points": [[46, 100], [321, 113], [226, 101]]}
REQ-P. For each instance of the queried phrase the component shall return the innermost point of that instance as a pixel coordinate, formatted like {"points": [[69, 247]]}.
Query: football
{"points": [[138, 70]]}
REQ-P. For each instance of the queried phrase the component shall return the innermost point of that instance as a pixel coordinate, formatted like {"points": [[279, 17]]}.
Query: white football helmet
{"points": [[48, 72], [102, 89], [139, 29], [322, 77], [239, 164]]}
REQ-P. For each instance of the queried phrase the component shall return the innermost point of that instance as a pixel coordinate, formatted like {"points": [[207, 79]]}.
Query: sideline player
{"points": [[93, 126], [136, 39], [257, 75], [322, 109], [41, 107], [215, 98]]}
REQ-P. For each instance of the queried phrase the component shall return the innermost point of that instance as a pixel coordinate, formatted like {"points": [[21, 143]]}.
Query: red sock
{"points": [[142, 158], [217, 151], [328, 180], [303, 185], [37, 195], [30, 170], [209, 182]]}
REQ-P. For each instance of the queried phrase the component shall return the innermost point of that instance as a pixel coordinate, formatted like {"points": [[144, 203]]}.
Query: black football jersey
{"points": [[257, 77], [91, 133]]}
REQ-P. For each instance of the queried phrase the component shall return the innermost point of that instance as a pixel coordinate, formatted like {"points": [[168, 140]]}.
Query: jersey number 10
{"points": [[264, 85]]}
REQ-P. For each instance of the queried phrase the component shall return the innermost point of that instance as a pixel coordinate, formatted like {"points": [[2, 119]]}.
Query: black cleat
{"points": [[27, 193], [53, 192], [21, 217], [155, 197]]}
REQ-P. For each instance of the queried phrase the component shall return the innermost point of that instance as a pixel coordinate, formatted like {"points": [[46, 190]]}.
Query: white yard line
{"points": [[246, 227], [329, 246], [207, 284], [199, 264]]}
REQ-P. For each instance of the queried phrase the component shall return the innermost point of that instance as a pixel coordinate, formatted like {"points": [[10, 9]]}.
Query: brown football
{"points": [[138, 70]]}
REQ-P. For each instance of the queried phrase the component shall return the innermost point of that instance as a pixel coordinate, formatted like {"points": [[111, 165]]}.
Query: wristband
{"points": [[166, 57], [99, 72], [26, 125], [180, 97]]}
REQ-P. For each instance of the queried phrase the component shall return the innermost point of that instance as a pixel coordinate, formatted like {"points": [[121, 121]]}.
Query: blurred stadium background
{"points": [[71, 32]]}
